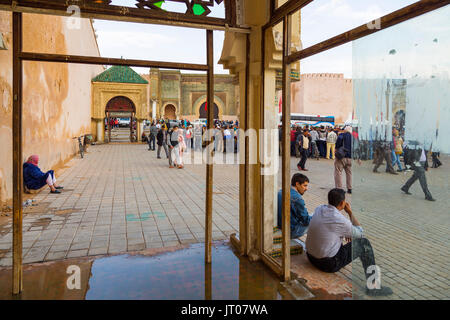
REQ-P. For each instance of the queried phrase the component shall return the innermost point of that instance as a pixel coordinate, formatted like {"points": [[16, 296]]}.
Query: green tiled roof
{"points": [[120, 74]]}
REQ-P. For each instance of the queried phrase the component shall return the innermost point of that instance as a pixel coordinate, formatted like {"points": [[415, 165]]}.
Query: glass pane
{"points": [[324, 19], [321, 104], [402, 107]]}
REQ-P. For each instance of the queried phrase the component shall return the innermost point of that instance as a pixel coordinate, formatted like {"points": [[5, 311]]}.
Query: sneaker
{"points": [[349, 191], [399, 170], [383, 291], [405, 190], [430, 199], [299, 168], [158, 157], [171, 167], [59, 187], [56, 191]]}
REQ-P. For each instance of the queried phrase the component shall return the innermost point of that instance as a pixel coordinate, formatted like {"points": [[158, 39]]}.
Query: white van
{"points": [[201, 121]]}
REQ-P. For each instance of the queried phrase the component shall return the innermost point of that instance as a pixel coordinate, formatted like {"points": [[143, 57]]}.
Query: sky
{"points": [[321, 19]]}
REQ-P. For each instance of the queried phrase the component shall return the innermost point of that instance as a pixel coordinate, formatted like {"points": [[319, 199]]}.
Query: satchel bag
{"points": [[340, 153]]}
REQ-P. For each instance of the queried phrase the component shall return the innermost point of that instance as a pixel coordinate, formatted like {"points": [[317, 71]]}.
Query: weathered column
{"points": [[100, 130], [244, 59], [139, 129], [154, 110]]}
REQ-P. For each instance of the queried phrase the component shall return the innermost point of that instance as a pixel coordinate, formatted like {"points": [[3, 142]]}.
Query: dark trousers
{"points": [[419, 174], [322, 146], [380, 154], [357, 248], [292, 148], [436, 161], [314, 150], [304, 156], [151, 140], [164, 145]]}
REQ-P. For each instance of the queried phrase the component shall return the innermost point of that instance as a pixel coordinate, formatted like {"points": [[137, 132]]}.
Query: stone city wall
{"points": [[324, 94]]}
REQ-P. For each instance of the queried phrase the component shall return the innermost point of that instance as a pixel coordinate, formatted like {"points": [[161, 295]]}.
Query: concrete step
{"points": [[297, 246], [277, 235]]}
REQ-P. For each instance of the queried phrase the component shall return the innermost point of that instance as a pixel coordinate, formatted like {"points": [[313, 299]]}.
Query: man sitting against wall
{"points": [[299, 214], [34, 178], [327, 230]]}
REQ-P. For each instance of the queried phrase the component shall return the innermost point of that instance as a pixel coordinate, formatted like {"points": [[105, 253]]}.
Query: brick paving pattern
{"points": [[410, 236], [121, 198]]}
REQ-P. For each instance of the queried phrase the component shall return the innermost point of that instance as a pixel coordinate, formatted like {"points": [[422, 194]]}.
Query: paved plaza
{"points": [[410, 236], [121, 198]]}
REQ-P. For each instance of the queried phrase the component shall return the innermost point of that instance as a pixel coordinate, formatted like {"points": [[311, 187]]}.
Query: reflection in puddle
{"points": [[179, 274]]}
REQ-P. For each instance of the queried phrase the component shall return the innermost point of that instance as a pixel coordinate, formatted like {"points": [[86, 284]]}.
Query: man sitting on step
{"points": [[299, 214], [324, 246]]}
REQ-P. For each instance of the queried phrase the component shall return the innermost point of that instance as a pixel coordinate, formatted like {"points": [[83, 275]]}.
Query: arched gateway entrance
{"points": [[170, 112], [204, 111], [120, 107]]}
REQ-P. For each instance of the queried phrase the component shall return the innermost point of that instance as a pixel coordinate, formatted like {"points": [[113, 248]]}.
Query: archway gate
{"points": [[196, 16], [120, 106]]}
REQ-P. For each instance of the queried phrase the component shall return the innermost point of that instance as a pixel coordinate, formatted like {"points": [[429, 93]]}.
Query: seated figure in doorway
{"points": [[34, 178], [299, 214]]}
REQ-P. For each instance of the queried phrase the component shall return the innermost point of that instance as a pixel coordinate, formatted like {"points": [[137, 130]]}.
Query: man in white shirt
{"points": [[417, 159], [327, 229], [228, 143]]}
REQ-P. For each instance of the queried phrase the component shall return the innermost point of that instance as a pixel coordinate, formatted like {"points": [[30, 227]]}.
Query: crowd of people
{"points": [[176, 137], [342, 144], [113, 123], [332, 240]]}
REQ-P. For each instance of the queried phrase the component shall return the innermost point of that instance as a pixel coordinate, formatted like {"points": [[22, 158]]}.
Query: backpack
{"points": [[340, 153]]}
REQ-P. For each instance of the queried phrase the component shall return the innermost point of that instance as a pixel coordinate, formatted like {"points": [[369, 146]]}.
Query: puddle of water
{"points": [[174, 275]]}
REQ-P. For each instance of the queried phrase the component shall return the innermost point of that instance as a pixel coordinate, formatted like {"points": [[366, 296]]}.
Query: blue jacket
{"points": [[299, 213], [33, 177], [346, 140]]}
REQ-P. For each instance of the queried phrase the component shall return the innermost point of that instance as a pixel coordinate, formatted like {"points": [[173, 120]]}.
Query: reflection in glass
{"points": [[401, 115]]}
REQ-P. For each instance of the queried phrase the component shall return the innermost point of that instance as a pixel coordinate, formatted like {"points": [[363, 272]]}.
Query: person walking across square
{"points": [[343, 160]]}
